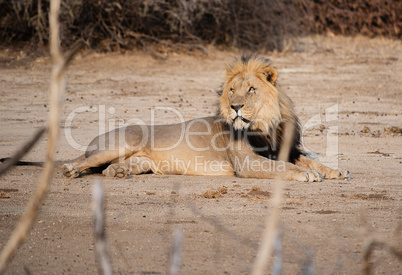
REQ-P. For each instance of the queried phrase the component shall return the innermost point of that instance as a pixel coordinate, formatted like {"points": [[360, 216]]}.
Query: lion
{"points": [[243, 139]]}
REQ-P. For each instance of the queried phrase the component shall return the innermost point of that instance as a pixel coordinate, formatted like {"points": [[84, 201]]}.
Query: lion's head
{"points": [[250, 98]]}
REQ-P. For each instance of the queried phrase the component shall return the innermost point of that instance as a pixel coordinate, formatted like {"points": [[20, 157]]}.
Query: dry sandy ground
{"points": [[323, 225]]}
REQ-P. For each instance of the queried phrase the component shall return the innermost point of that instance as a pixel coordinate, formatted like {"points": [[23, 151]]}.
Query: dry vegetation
{"points": [[256, 24]]}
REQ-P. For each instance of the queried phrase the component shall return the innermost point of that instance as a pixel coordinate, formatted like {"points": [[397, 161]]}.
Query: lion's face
{"points": [[249, 97]]}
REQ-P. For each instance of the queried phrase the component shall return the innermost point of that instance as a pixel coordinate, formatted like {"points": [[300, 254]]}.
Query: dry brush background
{"points": [[257, 24]]}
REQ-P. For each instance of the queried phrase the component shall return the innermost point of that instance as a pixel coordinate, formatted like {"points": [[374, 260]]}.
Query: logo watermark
{"points": [[202, 165]]}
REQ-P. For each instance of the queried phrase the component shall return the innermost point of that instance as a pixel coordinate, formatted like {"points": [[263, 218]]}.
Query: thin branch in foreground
{"points": [[308, 264], [272, 220], [9, 162], [101, 247], [368, 249], [277, 267], [57, 88], [175, 253]]}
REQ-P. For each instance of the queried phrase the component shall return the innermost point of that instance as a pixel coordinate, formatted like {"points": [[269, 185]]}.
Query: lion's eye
{"points": [[251, 90], [231, 90]]}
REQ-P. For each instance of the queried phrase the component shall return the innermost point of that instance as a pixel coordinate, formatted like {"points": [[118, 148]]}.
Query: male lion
{"points": [[242, 139]]}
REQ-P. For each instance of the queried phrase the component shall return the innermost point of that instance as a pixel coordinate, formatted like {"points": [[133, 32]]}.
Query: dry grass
{"points": [[253, 25]]}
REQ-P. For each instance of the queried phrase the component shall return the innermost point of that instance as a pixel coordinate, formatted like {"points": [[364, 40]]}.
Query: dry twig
{"points": [[368, 249], [175, 253], [101, 247], [57, 87], [277, 267], [9, 162], [272, 220]]}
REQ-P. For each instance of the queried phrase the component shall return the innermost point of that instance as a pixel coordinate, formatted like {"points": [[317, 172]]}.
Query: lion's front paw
{"points": [[308, 176], [313, 176], [338, 174], [70, 170], [116, 170]]}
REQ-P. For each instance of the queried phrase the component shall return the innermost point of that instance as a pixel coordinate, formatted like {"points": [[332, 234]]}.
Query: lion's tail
{"points": [[40, 163], [25, 163]]}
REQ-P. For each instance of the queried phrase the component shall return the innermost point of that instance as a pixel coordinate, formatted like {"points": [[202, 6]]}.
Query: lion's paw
{"points": [[308, 176], [313, 176], [339, 174], [70, 170], [116, 170]]}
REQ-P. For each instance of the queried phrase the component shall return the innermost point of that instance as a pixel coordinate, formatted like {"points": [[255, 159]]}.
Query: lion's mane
{"points": [[277, 109]]}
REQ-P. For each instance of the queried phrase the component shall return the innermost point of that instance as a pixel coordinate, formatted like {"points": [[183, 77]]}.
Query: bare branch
{"points": [[272, 220], [277, 268], [368, 249], [22, 151], [308, 264], [175, 253], [57, 88], [101, 246]]}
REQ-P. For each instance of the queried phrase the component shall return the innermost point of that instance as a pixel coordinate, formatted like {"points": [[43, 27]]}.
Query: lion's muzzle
{"points": [[239, 121]]}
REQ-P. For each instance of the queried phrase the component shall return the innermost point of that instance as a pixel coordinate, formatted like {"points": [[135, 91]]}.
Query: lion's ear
{"points": [[271, 74]]}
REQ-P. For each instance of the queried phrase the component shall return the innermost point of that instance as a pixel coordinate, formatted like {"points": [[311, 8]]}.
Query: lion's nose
{"points": [[237, 107]]}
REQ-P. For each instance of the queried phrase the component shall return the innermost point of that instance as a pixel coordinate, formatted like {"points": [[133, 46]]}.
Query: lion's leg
{"points": [[324, 170], [73, 170], [259, 167], [131, 166]]}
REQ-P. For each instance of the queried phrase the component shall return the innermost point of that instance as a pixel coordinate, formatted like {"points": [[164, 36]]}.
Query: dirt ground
{"points": [[346, 92]]}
